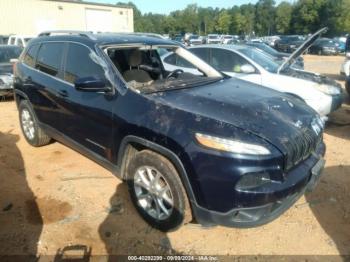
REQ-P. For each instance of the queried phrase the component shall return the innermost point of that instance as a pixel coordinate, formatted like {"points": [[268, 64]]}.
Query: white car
{"points": [[213, 39], [225, 39], [321, 93], [19, 40]]}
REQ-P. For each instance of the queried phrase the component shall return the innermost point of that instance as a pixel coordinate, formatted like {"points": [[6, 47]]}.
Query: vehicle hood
{"points": [[268, 114], [313, 77], [301, 49], [5, 68]]}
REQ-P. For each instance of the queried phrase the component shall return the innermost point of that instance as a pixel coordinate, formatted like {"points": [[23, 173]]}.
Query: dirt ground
{"points": [[52, 198]]}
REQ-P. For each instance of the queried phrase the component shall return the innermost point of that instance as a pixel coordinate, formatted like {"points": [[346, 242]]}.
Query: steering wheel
{"points": [[174, 74]]}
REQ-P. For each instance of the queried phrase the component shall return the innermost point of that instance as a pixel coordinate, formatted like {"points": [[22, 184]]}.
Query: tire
{"points": [[31, 130], [320, 52], [347, 86], [147, 166]]}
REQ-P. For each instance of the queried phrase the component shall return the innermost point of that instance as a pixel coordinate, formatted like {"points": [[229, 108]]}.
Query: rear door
{"points": [[87, 116], [43, 84]]}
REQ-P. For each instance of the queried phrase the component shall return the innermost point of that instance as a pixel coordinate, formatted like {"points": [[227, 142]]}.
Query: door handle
{"points": [[63, 93]]}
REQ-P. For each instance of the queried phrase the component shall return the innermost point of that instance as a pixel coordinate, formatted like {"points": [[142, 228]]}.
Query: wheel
{"points": [[29, 125], [347, 85], [156, 191]]}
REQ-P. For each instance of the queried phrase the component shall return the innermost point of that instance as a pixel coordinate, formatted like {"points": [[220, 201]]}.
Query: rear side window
{"points": [[202, 53], [29, 57], [49, 58], [176, 60], [80, 63]]}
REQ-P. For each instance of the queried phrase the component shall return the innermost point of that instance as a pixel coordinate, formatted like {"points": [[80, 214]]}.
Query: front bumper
{"points": [[6, 91], [267, 204], [337, 101], [329, 52]]}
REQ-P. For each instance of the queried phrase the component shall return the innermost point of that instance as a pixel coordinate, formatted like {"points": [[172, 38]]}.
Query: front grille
{"points": [[301, 146]]}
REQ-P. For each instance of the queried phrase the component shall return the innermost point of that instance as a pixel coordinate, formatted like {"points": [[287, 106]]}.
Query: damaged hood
{"points": [[268, 114], [301, 49]]}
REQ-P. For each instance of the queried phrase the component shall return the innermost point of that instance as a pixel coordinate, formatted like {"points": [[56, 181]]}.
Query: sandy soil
{"points": [[53, 198]]}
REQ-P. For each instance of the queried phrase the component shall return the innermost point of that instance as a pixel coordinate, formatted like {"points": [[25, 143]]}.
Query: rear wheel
{"points": [[30, 127], [157, 192]]}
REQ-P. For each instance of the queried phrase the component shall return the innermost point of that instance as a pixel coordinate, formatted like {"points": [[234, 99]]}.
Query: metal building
{"points": [[30, 17]]}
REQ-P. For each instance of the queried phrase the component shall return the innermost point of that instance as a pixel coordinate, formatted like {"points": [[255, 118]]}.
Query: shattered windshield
{"points": [[147, 68]]}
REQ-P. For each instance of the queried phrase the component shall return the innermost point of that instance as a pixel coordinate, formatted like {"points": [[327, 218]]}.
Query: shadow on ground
{"points": [[330, 203], [17, 204], [124, 232]]}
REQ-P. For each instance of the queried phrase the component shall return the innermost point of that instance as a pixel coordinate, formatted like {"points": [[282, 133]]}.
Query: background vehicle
{"points": [[225, 39], [4, 39], [299, 61], [213, 39], [289, 44], [324, 46], [6, 68], [179, 140], [323, 94], [179, 39], [19, 40], [194, 40], [347, 84]]}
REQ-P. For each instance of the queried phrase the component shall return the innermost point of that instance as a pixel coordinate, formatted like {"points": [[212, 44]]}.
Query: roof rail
{"points": [[68, 32]]}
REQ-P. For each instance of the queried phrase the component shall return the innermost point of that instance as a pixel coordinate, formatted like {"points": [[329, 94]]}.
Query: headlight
{"points": [[6, 80], [232, 146], [328, 89]]}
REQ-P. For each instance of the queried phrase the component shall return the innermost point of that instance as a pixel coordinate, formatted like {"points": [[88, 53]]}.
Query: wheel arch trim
{"points": [[171, 156]]}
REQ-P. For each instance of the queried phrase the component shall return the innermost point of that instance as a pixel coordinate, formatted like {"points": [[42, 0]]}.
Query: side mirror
{"points": [[90, 84], [247, 69]]}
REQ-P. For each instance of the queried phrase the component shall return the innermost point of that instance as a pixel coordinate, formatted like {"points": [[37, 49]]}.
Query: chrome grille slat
{"points": [[300, 147]]}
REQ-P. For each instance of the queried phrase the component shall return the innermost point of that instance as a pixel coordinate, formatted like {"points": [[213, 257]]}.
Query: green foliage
{"points": [[263, 18], [283, 17]]}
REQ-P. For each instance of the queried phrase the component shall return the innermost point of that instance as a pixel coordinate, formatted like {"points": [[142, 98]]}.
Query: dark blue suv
{"points": [[204, 148]]}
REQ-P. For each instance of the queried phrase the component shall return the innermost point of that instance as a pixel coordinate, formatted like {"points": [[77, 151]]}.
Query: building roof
{"points": [[90, 3]]}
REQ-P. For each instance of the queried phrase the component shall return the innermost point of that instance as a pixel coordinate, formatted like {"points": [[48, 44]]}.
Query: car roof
{"points": [[228, 47], [92, 39], [10, 47]]}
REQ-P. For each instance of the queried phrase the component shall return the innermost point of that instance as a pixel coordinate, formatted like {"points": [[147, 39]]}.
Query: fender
{"points": [[174, 159], [22, 94]]}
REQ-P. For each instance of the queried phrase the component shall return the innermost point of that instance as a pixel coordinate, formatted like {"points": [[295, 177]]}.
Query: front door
{"points": [[87, 116]]}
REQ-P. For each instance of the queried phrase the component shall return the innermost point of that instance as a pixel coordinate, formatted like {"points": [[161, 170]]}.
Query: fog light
{"points": [[253, 180]]}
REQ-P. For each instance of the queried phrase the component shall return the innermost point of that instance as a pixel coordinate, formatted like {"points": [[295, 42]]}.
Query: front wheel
{"points": [[157, 192]]}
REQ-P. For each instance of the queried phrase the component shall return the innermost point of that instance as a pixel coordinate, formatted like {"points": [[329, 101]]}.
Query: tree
{"points": [[224, 22], [283, 17], [248, 13], [265, 15], [343, 20]]}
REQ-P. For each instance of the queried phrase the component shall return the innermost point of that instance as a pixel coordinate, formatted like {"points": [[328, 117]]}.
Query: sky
{"points": [[166, 6]]}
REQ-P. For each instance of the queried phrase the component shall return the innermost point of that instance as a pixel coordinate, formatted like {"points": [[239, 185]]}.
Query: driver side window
{"points": [[227, 61], [80, 64], [176, 60]]}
